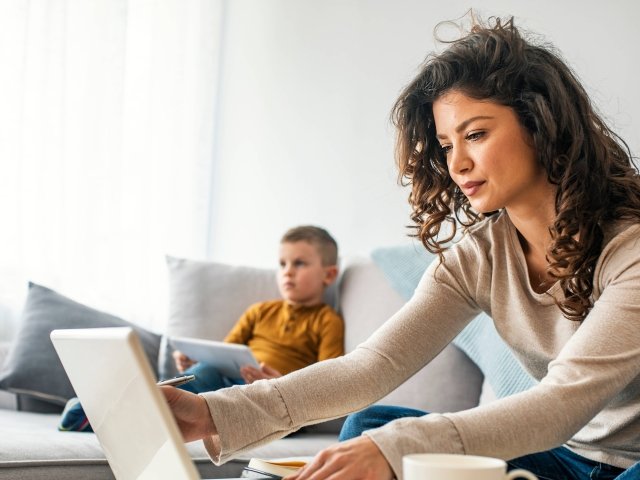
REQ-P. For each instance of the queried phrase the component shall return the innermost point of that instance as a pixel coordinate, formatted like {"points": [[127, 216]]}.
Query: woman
{"points": [[495, 136]]}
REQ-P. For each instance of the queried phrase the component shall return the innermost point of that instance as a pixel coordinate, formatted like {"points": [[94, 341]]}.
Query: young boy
{"points": [[290, 333], [284, 335]]}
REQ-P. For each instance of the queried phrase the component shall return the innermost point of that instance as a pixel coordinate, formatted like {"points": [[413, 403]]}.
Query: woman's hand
{"points": [[355, 459], [251, 374], [182, 361], [191, 413]]}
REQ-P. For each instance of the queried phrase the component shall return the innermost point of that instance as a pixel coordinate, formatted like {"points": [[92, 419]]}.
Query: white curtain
{"points": [[107, 112]]}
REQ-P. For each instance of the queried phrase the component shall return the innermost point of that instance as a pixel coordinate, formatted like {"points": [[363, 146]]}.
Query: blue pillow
{"points": [[404, 266]]}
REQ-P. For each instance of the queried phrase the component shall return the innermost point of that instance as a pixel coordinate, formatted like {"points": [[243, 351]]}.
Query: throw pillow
{"points": [[404, 266], [33, 369], [207, 298]]}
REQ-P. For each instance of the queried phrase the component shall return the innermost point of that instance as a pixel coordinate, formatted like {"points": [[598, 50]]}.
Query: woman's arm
{"points": [[264, 411]]}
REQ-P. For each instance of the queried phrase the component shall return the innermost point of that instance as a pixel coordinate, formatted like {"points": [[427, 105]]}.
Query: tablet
{"points": [[226, 357]]}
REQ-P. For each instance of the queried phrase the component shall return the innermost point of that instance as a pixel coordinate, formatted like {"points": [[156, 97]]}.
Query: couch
{"points": [[205, 300]]}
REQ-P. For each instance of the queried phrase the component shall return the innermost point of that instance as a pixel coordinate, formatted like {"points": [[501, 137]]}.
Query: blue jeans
{"points": [[557, 464], [208, 379]]}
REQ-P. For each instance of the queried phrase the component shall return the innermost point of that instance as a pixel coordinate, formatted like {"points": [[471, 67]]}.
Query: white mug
{"points": [[443, 466]]}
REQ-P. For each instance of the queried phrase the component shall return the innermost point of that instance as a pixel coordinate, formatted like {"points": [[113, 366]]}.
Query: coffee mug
{"points": [[443, 466]]}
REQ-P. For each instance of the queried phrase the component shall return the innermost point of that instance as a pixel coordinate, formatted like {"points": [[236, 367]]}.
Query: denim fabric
{"points": [[557, 464], [561, 463], [208, 379], [374, 417]]}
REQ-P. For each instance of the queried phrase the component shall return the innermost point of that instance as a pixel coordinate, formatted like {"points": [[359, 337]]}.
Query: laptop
{"points": [[112, 378]]}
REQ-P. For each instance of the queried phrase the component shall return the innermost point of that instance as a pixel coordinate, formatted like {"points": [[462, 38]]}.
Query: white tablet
{"points": [[226, 357]]}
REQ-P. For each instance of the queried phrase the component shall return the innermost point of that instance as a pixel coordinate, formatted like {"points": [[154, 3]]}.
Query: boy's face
{"points": [[301, 276]]}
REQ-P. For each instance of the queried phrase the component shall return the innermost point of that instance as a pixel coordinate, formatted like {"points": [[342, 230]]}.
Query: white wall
{"points": [[306, 89]]}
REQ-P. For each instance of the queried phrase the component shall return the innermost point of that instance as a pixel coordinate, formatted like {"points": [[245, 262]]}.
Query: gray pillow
{"points": [[33, 370]]}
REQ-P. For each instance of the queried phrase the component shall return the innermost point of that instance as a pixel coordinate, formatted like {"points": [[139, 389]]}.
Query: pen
{"points": [[174, 382]]}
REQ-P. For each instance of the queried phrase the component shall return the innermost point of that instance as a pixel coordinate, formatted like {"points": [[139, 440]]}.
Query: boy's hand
{"points": [[355, 459], [182, 361], [191, 413], [251, 374]]}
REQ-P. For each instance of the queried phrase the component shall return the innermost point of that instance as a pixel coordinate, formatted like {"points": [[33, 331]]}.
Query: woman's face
{"points": [[490, 156]]}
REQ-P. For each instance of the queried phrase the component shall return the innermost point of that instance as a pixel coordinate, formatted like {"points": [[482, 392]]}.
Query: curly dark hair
{"points": [[591, 166]]}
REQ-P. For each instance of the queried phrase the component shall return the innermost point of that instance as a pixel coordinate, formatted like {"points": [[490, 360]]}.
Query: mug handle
{"points": [[520, 474]]}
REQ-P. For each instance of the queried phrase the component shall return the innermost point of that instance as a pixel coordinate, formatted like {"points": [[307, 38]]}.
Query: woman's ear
{"points": [[330, 275]]}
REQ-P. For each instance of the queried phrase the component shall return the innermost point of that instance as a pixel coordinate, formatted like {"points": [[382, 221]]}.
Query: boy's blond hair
{"points": [[325, 244]]}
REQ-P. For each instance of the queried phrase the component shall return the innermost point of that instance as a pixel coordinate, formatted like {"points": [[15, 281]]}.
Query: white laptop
{"points": [[117, 389]]}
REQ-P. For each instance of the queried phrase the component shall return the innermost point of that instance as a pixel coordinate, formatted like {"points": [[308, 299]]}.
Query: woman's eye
{"points": [[445, 149], [475, 135]]}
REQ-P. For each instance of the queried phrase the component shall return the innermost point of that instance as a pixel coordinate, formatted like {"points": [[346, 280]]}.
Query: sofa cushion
{"points": [[32, 369], [31, 447]]}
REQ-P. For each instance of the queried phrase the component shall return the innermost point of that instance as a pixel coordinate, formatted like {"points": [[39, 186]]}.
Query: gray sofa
{"points": [[32, 448]]}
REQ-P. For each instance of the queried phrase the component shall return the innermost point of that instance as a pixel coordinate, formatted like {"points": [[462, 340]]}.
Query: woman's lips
{"points": [[470, 188]]}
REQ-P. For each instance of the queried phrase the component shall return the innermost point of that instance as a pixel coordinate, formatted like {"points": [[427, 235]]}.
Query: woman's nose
{"points": [[459, 161]]}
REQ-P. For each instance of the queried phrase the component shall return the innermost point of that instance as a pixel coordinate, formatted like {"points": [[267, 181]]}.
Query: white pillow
{"points": [[207, 298]]}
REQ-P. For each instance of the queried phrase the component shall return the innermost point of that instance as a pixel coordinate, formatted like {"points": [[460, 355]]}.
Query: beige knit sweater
{"points": [[589, 392]]}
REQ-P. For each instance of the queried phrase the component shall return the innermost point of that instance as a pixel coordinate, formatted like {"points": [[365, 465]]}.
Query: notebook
{"points": [[110, 374]]}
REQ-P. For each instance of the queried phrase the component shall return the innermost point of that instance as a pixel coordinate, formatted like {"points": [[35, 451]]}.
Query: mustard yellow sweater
{"points": [[290, 337]]}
